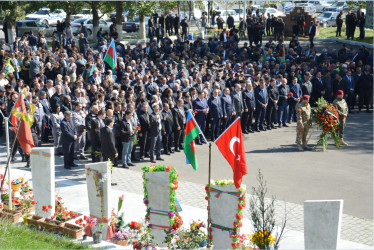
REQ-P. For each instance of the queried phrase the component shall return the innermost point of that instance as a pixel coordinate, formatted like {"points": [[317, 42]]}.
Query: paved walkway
{"points": [[292, 176]]}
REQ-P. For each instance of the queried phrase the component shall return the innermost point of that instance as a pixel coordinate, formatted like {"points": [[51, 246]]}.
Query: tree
{"points": [[119, 9], [142, 9], [356, 5], [70, 7]]}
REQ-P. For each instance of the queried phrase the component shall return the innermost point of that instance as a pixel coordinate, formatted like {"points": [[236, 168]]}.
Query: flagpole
{"points": [[7, 169], [197, 126], [209, 176], [227, 129]]}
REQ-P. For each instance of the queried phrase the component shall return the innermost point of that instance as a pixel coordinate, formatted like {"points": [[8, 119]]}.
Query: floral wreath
{"points": [[241, 194], [175, 221], [326, 117]]}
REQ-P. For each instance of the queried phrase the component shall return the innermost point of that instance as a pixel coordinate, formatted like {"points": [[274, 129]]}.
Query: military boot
{"points": [[299, 147], [343, 143]]}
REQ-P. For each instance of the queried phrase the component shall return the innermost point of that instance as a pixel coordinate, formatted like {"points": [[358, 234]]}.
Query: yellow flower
{"points": [[171, 185], [151, 169]]}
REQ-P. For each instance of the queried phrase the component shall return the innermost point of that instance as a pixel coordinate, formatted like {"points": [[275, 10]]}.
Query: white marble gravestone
{"points": [[159, 199], [42, 162], [99, 206], [322, 223], [223, 210]]}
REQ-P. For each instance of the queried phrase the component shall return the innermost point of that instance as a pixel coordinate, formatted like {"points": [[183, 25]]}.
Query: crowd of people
{"points": [[138, 110]]}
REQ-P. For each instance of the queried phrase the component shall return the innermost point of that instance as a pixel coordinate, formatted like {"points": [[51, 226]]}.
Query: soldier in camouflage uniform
{"points": [[342, 108], [304, 122]]}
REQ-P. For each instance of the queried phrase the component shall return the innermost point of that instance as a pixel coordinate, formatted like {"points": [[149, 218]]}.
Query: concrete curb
{"points": [[355, 43]]}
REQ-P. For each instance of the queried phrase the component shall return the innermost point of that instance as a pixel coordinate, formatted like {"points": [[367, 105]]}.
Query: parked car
{"points": [[319, 5], [337, 7], [195, 15], [287, 7], [134, 24], [273, 11], [86, 13], [88, 22], [24, 27], [124, 15], [328, 18], [307, 7], [45, 15]]}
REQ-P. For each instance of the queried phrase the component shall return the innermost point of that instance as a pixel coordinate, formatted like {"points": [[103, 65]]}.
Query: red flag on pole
{"points": [[24, 134], [231, 145]]}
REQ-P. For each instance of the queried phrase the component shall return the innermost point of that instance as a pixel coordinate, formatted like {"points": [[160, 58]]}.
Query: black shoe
{"points": [[115, 164], [280, 125], [268, 128], [177, 150], [135, 159], [159, 159], [250, 131], [142, 158], [245, 132], [199, 143], [125, 166], [67, 167], [257, 130], [23, 159], [263, 129], [146, 155], [130, 165], [167, 153], [82, 157], [74, 165], [171, 151], [13, 159], [59, 154], [285, 125], [28, 165], [153, 161]]}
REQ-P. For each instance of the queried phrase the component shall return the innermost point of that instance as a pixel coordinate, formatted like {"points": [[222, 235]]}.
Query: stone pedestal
{"points": [[42, 162], [159, 201], [98, 177], [322, 223], [223, 209], [291, 19]]}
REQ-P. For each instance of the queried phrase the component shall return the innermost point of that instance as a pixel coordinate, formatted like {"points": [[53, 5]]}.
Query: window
{"points": [[102, 22], [42, 12], [31, 24], [89, 21]]}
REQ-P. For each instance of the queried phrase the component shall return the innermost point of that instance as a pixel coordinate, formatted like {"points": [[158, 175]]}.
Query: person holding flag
{"points": [[110, 58]]}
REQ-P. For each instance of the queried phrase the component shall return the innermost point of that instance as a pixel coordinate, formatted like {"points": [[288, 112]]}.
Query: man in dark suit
{"points": [[306, 87], [262, 100], [201, 108], [318, 88], [237, 102], [340, 84], [215, 113], [167, 131], [159, 33], [271, 110], [68, 136], [227, 108], [179, 118], [295, 89], [249, 105], [351, 86], [108, 146], [155, 121], [143, 117], [311, 34]]}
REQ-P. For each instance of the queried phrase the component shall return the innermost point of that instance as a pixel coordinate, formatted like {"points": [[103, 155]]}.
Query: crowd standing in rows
{"points": [[139, 111]]}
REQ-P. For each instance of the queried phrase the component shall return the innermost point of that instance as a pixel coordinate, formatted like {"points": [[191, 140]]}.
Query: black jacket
{"points": [[167, 121], [143, 118], [273, 93], [108, 148], [125, 131], [154, 124], [248, 101], [178, 117]]}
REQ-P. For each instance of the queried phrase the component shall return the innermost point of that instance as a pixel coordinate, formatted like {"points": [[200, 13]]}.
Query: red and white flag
{"points": [[231, 145]]}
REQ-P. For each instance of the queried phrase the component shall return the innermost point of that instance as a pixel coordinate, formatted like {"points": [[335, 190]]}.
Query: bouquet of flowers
{"points": [[135, 136], [326, 117], [16, 184], [193, 237]]}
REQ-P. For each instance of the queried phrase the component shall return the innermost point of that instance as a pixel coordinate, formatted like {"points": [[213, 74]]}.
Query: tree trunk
{"points": [[68, 12], [119, 9], [95, 18], [209, 14], [11, 29], [189, 16], [142, 28]]}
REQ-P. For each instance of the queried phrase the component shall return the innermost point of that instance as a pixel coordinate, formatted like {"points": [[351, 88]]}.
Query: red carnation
{"points": [[50, 206]]}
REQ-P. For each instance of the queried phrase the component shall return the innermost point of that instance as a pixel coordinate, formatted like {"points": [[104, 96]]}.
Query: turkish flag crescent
{"points": [[24, 134], [231, 145]]}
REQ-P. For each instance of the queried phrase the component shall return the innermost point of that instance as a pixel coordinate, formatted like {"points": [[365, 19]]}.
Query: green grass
{"points": [[330, 32], [14, 236]]}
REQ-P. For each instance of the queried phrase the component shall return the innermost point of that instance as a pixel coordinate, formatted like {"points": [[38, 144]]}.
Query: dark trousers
{"points": [[226, 122], [142, 143], [247, 120], [362, 32], [167, 141], [268, 30], [176, 29], [184, 35], [271, 110], [118, 147], [159, 39], [311, 41], [155, 146], [1, 125], [12, 135], [260, 117], [68, 150], [178, 138], [350, 100], [201, 122], [250, 37], [339, 30], [292, 111], [215, 127], [365, 99]]}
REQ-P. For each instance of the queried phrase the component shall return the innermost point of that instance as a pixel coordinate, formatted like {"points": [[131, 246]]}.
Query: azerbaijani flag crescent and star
{"points": [[111, 57], [192, 131]]}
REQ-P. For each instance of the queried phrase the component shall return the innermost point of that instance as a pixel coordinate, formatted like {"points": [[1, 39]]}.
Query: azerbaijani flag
{"points": [[93, 67], [263, 54], [192, 131], [111, 57], [283, 57]]}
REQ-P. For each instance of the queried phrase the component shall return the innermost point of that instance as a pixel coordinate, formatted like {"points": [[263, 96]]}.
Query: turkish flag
{"points": [[231, 145], [24, 134]]}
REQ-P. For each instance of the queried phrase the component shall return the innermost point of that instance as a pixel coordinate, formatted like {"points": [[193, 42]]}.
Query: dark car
{"points": [[133, 24]]}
